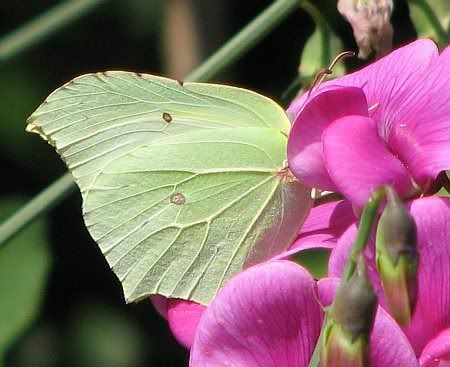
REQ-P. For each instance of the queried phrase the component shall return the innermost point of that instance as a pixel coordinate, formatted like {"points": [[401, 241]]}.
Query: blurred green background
{"points": [[59, 302]]}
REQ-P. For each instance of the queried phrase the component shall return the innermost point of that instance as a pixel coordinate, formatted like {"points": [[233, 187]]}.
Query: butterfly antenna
{"points": [[321, 75]]}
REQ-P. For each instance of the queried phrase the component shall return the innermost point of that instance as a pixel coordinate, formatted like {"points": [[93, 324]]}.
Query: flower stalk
{"points": [[354, 273], [442, 35]]}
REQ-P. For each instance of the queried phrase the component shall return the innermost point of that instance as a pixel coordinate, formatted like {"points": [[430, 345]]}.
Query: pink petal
{"points": [[388, 345], [296, 105], [305, 141], [437, 351], [183, 317], [160, 304], [338, 257], [419, 124], [314, 241], [432, 314], [387, 81], [265, 316], [359, 162], [322, 228], [326, 289], [324, 225]]}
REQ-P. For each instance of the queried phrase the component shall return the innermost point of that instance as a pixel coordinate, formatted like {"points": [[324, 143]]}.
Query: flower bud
{"points": [[397, 258], [346, 339], [343, 351], [370, 20]]}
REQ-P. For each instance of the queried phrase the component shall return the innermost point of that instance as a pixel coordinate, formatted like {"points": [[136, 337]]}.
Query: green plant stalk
{"points": [[441, 34], [325, 55], [291, 91], [43, 26], [40, 204], [242, 42], [322, 25], [315, 359], [366, 223], [365, 226]]}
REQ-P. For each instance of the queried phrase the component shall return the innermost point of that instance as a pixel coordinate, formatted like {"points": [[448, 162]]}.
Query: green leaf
{"points": [[183, 185], [427, 16], [24, 265], [313, 60], [315, 261], [444, 191]]}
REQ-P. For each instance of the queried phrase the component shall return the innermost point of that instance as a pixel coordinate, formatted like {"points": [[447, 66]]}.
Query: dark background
{"points": [[83, 309]]}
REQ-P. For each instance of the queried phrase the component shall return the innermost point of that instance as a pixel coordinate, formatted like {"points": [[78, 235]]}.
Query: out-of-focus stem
{"points": [[441, 34], [322, 26], [40, 204], [242, 42], [43, 26]]}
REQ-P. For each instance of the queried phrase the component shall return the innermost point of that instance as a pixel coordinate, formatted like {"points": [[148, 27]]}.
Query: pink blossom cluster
{"points": [[387, 124]]}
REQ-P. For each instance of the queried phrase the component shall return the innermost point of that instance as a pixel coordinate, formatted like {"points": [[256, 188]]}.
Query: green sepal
{"points": [[341, 349], [399, 285]]}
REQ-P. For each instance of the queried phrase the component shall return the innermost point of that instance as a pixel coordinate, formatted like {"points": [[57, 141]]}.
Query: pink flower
{"points": [[388, 123], [324, 225], [251, 320], [182, 317], [321, 229], [269, 316], [429, 330]]}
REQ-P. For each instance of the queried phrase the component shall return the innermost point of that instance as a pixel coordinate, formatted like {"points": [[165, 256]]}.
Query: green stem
{"points": [[224, 57], [322, 25], [292, 90], [315, 359], [441, 33], [40, 204], [366, 223], [43, 26], [325, 52], [242, 42]]}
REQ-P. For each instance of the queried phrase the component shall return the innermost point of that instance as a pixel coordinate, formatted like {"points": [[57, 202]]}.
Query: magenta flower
{"points": [[387, 124], [429, 330], [321, 229], [182, 317], [269, 316], [324, 225]]}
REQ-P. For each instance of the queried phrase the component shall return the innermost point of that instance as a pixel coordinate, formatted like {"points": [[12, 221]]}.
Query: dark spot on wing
{"points": [[178, 199], [167, 117]]}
